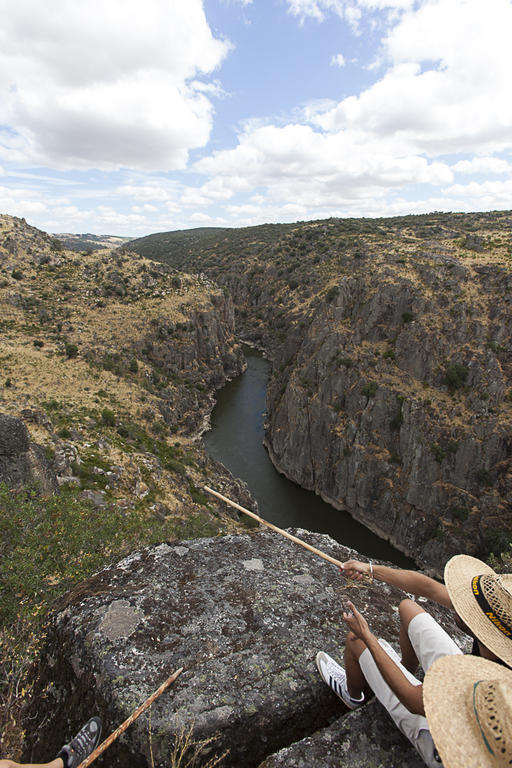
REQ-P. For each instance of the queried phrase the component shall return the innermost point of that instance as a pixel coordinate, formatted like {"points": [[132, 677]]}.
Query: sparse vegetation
{"points": [[456, 375]]}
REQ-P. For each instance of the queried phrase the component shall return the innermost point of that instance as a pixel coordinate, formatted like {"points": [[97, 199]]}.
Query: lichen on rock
{"points": [[243, 615]]}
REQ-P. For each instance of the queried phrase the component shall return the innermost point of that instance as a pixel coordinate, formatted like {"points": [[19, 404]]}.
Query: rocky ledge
{"points": [[244, 616]]}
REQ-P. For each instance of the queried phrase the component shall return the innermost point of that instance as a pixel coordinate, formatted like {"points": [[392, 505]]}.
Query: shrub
{"points": [[497, 541], [38, 343], [17, 274], [198, 496], [108, 417], [438, 452], [456, 375], [460, 513], [71, 350], [407, 317], [173, 465], [483, 477], [370, 388]]}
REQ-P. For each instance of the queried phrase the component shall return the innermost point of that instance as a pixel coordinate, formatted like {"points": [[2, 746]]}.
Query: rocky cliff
{"points": [[244, 616], [391, 387], [22, 463]]}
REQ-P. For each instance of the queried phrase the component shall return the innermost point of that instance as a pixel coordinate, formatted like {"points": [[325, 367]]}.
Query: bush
{"points": [[483, 477], [332, 293], [456, 375], [370, 388], [438, 452], [173, 465], [460, 513], [17, 274], [407, 317], [108, 417], [38, 343], [198, 496], [71, 350]]}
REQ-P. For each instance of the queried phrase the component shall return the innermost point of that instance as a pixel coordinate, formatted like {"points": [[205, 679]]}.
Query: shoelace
{"points": [[79, 743]]}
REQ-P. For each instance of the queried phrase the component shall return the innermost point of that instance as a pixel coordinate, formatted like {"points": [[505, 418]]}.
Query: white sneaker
{"points": [[336, 678]]}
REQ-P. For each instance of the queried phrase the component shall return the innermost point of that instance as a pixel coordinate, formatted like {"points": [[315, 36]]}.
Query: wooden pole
{"points": [[113, 736], [315, 551]]}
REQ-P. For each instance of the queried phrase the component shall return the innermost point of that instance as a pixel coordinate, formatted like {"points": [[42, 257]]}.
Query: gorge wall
{"points": [[391, 386]]}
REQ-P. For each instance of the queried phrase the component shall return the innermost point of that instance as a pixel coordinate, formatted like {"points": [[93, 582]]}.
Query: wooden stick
{"points": [[315, 551], [113, 736]]}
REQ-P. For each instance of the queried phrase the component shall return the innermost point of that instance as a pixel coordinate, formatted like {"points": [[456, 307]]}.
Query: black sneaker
{"points": [[82, 745]]}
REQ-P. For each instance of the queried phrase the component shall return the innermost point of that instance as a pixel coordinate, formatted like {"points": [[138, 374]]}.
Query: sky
{"points": [[126, 118]]}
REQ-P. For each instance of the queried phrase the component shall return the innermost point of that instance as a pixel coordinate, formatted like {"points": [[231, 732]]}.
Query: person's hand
{"points": [[353, 569], [356, 622]]}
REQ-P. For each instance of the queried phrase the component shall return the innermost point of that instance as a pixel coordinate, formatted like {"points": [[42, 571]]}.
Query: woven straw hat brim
{"points": [[458, 573], [448, 702]]}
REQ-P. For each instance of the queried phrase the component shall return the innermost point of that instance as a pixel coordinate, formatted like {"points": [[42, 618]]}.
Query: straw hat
{"points": [[468, 704], [483, 600]]}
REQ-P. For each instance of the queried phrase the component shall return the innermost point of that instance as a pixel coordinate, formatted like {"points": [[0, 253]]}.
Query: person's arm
{"points": [[411, 696], [409, 581]]}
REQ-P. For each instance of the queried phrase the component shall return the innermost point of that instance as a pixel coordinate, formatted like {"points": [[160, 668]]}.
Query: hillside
{"points": [[111, 362], [391, 388]]}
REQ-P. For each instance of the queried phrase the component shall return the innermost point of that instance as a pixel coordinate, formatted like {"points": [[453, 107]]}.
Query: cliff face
{"points": [[392, 406], [392, 367], [22, 462]]}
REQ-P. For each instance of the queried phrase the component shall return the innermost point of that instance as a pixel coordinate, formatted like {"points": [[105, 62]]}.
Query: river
{"points": [[236, 440]]}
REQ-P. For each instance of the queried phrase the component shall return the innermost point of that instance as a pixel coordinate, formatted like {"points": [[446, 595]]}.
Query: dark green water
{"points": [[236, 439]]}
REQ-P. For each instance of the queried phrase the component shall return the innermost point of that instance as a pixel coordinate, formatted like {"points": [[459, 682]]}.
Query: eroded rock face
{"points": [[21, 461], [243, 615], [393, 408]]}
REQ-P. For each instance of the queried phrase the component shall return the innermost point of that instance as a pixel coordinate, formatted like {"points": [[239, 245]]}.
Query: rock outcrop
{"points": [[243, 615], [22, 462]]}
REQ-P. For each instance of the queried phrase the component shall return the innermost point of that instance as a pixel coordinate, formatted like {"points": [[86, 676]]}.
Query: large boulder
{"points": [[22, 462], [365, 738], [243, 615]]}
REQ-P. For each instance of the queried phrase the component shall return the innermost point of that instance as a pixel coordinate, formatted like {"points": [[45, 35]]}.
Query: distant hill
{"points": [[89, 242]]}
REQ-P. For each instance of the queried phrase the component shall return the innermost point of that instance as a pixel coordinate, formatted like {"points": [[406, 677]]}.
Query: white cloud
{"points": [[351, 10], [338, 60], [439, 96], [107, 83], [493, 165]]}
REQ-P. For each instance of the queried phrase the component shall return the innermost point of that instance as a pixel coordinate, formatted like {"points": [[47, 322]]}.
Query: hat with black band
{"points": [[483, 600]]}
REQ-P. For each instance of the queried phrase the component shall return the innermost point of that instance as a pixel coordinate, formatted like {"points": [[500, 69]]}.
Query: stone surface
{"points": [[365, 738], [22, 462], [243, 615]]}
